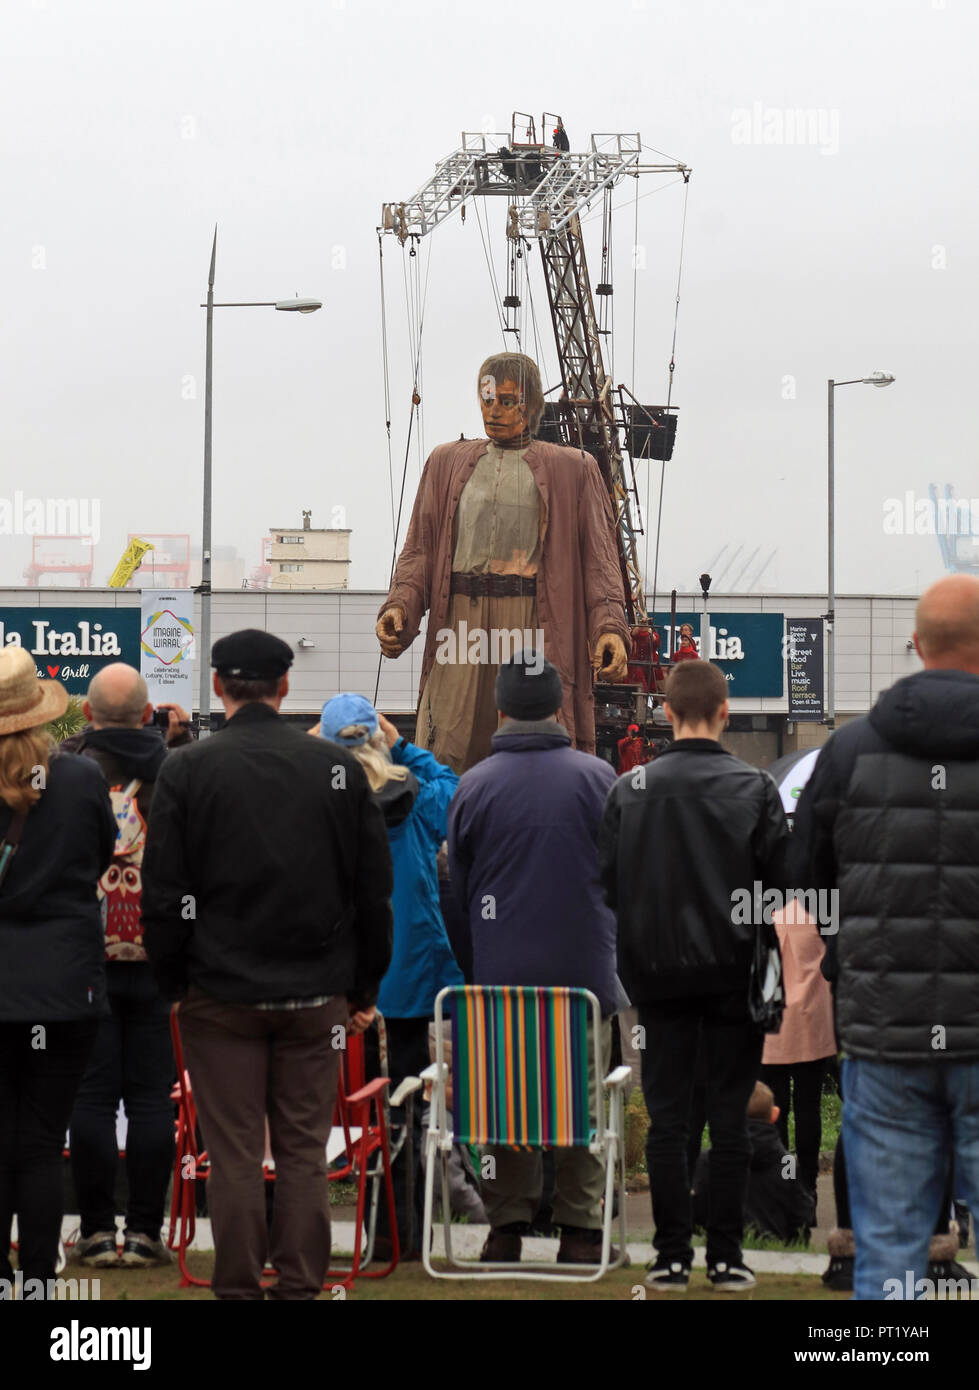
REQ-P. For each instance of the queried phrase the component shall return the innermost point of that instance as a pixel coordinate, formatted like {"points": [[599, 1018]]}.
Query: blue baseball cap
{"points": [[344, 710]]}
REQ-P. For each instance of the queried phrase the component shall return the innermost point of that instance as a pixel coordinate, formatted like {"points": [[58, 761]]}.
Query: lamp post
{"points": [[705, 582], [300, 306], [875, 379]]}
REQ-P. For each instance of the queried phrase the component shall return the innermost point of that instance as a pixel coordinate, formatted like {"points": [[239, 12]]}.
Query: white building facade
{"points": [[336, 648]]}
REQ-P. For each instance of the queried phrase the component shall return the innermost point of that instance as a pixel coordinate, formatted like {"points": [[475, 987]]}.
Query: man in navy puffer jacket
{"points": [[890, 818], [523, 835]]}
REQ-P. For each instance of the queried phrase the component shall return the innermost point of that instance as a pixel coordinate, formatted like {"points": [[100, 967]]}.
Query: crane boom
{"points": [[555, 186]]}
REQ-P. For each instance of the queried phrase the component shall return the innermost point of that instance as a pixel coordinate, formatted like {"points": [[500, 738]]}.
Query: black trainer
{"points": [[730, 1278], [668, 1274], [98, 1251]]}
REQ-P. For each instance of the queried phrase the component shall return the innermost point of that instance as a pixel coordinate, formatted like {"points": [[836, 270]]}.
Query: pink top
{"points": [[807, 1025]]}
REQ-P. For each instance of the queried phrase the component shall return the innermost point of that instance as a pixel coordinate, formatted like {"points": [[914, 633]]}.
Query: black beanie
{"points": [[528, 688]]}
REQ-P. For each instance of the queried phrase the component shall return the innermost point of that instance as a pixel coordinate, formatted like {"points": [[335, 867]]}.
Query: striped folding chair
{"points": [[521, 1066]]}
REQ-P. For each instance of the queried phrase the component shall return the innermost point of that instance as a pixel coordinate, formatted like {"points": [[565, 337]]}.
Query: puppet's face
{"points": [[504, 411]]}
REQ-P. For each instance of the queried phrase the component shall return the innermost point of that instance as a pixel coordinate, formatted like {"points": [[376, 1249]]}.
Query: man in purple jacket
{"points": [[523, 856]]}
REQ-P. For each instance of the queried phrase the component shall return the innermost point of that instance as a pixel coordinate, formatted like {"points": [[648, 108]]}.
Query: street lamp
{"points": [[705, 583], [875, 379], [297, 306]]}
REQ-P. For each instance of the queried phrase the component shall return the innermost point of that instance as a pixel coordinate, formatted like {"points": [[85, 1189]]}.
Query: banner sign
{"points": [[746, 646], [804, 662], [71, 644], [166, 657]]}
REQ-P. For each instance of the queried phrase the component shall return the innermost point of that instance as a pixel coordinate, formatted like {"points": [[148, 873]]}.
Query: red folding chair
{"points": [[365, 1155]]}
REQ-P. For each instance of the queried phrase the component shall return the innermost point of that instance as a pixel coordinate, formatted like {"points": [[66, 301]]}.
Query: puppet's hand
{"points": [[388, 629], [609, 660]]}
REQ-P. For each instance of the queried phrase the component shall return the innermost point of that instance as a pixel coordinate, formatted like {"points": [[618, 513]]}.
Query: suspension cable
{"points": [[669, 395], [635, 291], [416, 298], [492, 274], [387, 381]]}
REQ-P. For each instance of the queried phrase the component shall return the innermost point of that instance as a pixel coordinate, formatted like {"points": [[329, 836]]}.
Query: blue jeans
{"points": [[903, 1126]]}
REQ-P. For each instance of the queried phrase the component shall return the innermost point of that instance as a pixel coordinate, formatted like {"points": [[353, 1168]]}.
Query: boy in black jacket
{"points": [[683, 840]]}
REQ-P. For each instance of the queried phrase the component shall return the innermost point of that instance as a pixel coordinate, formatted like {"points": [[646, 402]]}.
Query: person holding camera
{"points": [[132, 1059]]}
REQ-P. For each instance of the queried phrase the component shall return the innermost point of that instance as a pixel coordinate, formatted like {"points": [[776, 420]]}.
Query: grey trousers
{"points": [[513, 1193], [245, 1064]]}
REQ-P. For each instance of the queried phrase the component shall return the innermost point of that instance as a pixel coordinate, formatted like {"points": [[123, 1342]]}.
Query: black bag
{"points": [[766, 992]]}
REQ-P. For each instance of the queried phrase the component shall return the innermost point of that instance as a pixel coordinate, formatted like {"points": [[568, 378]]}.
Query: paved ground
{"points": [[468, 1240]]}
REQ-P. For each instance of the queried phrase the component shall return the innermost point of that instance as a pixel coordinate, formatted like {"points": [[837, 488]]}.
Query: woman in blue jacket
{"points": [[413, 790]]}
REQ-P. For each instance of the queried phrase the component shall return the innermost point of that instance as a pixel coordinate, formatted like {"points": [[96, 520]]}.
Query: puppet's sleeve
{"points": [[411, 586], [604, 595]]}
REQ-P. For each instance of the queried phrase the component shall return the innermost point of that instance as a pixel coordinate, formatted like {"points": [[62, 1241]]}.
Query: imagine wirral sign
{"points": [[71, 644]]}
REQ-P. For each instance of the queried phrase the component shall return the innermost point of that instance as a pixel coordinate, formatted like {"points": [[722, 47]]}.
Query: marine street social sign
{"points": [[71, 644]]}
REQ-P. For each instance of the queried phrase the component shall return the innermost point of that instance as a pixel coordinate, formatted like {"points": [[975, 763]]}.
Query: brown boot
{"points": [[502, 1247], [580, 1245]]}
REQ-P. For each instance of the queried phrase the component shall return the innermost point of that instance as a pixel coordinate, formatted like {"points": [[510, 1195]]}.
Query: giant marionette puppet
{"points": [[506, 533]]}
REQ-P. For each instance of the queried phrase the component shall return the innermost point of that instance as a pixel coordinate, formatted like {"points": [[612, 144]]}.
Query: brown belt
{"points": [[494, 585]]}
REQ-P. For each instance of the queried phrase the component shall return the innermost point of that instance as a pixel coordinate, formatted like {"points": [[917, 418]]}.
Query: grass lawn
{"points": [[831, 1111], [410, 1282]]}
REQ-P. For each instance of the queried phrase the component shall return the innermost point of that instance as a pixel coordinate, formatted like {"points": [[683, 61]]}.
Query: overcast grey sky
{"points": [[128, 128]]}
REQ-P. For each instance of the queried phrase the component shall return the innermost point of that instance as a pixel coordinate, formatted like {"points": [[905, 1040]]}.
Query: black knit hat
{"points": [[528, 687]]}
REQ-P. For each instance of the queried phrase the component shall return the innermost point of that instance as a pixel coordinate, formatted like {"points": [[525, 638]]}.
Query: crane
{"points": [[548, 189]]}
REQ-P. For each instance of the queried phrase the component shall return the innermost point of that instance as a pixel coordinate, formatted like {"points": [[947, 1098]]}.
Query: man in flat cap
{"points": [[266, 913]]}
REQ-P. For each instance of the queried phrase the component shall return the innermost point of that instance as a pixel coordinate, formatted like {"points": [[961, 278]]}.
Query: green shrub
{"points": [[69, 723], [636, 1127]]}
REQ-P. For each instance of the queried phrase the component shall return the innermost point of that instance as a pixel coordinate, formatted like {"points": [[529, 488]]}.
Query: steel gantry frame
{"points": [[548, 190]]}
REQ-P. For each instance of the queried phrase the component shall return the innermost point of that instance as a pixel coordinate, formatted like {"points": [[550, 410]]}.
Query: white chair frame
{"points": [[608, 1145]]}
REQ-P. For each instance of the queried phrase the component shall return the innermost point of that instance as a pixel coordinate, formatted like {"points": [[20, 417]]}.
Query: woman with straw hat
{"points": [[57, 835]]}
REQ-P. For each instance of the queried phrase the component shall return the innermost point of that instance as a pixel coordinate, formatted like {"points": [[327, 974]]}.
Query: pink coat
{"points": [[807, 1025]]}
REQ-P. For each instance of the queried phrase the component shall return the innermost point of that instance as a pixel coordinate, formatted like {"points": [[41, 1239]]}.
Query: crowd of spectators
{"points": [[277, 890]]}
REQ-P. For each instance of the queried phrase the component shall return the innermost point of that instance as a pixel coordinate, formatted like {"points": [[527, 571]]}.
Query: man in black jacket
{"points": [[683, 839], [266, 912], [889, 818]]}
